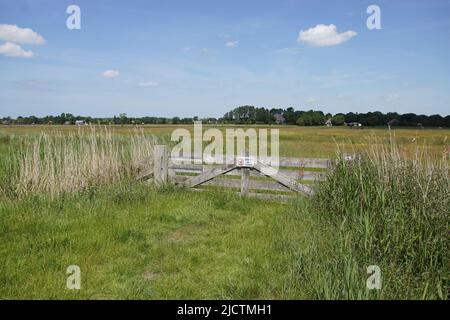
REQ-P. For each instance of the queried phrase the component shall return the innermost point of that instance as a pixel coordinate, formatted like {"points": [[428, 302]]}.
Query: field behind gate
{"points": [[295, 141], [133, 241]]}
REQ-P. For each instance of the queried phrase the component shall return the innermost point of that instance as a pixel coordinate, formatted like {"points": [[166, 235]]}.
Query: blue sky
{"points": [[192, 57]]}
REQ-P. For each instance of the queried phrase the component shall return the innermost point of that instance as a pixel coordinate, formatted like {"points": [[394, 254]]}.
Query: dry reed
{"points": [[59, 163]]}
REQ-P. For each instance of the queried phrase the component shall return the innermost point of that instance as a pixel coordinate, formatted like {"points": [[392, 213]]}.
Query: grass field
{"points": [[134, 241], [294, 141]]}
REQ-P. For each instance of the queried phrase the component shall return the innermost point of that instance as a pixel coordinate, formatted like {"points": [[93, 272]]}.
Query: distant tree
{"points": [[436, 120], [289, 116], [275, 111], [263, 115], [338, 119], [176, 120], [311, 118], [123, 118], [301, 121], [351, 117]]}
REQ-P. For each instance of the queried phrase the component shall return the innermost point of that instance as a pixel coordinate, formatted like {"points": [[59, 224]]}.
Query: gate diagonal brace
{"points": [[208, 175], [258, 166], [283, 179]]}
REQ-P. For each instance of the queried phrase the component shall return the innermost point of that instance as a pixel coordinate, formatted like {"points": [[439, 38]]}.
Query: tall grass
{"points": [[59, 163], [387, 209]]}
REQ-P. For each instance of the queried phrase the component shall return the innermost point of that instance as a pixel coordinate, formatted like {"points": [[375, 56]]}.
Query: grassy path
{"points": [[132, 242]]}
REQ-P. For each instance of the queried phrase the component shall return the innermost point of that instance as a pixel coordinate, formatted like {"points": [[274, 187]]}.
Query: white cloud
{"points": [[109, 74], [187, 48], [13, 33], [311, 100], [324, 35], [231, 44], [149, 84], [14, 50]]}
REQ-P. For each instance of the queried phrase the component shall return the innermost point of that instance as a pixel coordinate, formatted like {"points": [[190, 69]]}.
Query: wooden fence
{"points": [[254, 178]]}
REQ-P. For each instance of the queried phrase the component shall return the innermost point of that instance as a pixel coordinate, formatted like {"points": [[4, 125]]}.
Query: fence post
{"points": [[245, 178], [160, 164]]}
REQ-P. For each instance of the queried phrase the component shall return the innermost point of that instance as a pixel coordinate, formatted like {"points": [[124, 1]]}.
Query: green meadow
{"points": [[132, 240]]}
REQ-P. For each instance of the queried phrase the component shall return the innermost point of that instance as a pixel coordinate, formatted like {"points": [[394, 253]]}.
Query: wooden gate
{"points": [[254, 177]]}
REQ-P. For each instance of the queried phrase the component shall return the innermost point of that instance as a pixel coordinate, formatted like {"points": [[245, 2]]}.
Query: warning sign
{"points": [[245, 161]]}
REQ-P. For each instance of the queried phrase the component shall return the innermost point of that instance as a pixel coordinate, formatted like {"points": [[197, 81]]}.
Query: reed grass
{"points": [[388, 209], [58, 163]]}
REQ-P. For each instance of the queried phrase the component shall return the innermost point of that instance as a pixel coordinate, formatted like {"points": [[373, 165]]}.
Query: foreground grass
{"points": [[132, 241]]}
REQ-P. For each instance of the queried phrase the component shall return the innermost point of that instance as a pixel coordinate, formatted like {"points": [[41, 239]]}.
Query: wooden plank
{"points": [[144, 168], [171, 174], [144, 174], [160, 164], [304, 162], [283, 161], [283, 179], [245, 181], [294, 174], [245, 178], [267, 185], [208, 175], [193, 167], [180, 179], [144, 162]]}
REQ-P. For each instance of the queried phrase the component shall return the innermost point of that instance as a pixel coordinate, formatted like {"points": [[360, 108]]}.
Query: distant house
{"points": [[353, 124], [80, 122], [328, 123], [279, 118]]}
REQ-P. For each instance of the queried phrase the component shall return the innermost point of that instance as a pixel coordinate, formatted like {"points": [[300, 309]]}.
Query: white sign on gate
{"points": [[245, 161]]}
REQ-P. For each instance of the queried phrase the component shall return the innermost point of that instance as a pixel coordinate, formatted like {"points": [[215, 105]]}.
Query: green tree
{"points": [[338, 119], [123, 118]]}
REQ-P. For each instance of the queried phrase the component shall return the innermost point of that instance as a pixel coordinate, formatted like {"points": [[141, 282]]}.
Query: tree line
{"points": [[255, 115]]}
